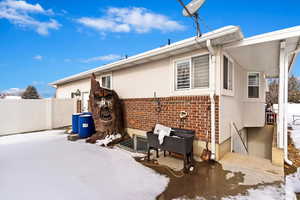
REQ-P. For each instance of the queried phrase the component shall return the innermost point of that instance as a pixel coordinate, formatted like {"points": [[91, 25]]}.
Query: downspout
{"points": [[212, 98], [287, 67]]}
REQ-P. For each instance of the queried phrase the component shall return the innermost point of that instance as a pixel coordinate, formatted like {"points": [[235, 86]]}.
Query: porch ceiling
{"points": [[261, 53]]}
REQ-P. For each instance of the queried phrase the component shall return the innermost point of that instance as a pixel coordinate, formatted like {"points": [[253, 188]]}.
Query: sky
{"points": [[43, 41]]}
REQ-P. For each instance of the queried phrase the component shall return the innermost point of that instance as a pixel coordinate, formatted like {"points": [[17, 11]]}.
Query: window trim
{"points": [[227, 92], [259, 85], [190, 66], [82, 100], [185, 59], [111, 82]]}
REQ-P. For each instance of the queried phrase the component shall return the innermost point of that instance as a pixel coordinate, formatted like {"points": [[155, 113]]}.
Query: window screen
{"points": [[200, 72], [106, 82], [253, 85], [183, 75]]}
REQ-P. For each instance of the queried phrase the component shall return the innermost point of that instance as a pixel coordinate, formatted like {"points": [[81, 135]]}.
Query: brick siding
{"points": [[140, 113]]}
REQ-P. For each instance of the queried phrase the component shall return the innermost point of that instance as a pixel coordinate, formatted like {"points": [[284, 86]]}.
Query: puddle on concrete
{"points": [[208, 180]]}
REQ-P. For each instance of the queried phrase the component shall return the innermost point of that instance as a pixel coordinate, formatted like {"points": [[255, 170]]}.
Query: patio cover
{"points": [[273, 54], [262, 52]]}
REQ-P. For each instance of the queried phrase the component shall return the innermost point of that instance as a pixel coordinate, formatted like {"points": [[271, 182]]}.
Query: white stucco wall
{"points": [[231, 107], [238, 108], [26, 115], [140, 81], [64, 91]]}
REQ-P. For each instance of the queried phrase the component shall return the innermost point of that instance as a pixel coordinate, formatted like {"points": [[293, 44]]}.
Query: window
{"points": [[183, 75], [106, 81], [227, 74], [200, 68], [253, 85], [193, 73]]}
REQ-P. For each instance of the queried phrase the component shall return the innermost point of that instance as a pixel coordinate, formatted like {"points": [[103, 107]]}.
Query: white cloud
{"points": [[24, 6], [38, 57], [19, 13], [109, 57], [13, 91], [38, 83], [140, 20]]}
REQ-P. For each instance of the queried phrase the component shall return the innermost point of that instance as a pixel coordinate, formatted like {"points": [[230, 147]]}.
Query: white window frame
{"points": [[189, 59], [227, 92], [259, 86], [190, 66], [106, 75]]}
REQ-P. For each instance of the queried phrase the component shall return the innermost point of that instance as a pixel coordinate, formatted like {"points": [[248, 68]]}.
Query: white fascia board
{"points": [[158, 51], [267, 37]]}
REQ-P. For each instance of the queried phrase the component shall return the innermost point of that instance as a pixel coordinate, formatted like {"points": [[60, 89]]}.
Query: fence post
{"points": [[49, 113]]}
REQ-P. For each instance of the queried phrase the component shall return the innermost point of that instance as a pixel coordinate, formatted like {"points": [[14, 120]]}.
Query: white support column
{"points": [[282, 132], [281, 98], [285, 109]]}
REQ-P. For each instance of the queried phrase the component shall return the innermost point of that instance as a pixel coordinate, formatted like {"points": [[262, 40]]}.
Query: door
{"points": [[85, 102]]}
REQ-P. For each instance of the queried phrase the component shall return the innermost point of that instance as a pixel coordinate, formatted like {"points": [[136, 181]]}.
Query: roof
{"points": [[261, 52], [222, 36]]}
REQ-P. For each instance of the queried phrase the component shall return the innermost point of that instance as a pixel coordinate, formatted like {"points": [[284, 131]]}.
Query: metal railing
{"points": [[237, 143], [270, 117]]}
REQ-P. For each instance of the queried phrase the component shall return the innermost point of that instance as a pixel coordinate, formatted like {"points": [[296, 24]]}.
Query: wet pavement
{"points": [[208, 180]]}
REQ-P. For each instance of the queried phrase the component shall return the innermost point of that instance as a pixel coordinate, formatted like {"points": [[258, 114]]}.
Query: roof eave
{"points": [[155, 52]]}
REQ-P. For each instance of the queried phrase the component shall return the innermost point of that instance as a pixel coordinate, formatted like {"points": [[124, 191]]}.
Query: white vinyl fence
{"points": [[293, 110], [25, 115]]}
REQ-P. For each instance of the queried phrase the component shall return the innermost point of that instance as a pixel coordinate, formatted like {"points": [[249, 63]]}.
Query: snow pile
{"points": [[295, 135], [292, 184], [46, 166], [266, 193], [293, 110], [296, 138], [108, 139]]}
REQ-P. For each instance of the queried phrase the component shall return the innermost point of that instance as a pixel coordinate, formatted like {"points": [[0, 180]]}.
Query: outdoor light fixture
{"points": [[77, 93]]}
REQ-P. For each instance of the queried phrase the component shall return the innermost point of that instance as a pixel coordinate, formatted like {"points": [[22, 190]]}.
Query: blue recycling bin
{"points": [[87, 113], [86, 126], [75, 118], [90, 113]]}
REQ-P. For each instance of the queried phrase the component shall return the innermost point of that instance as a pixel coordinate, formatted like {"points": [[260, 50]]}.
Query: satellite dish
{"points": [[192, 8]]}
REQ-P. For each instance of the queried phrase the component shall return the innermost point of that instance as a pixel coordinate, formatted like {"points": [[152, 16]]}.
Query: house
{"points": [[219, 80]]}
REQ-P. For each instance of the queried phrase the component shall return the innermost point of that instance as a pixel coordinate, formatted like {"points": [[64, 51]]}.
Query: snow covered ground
{"points": [[295, 135], [292, 184], [293, 180], [264, 193], [46, 166]]}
